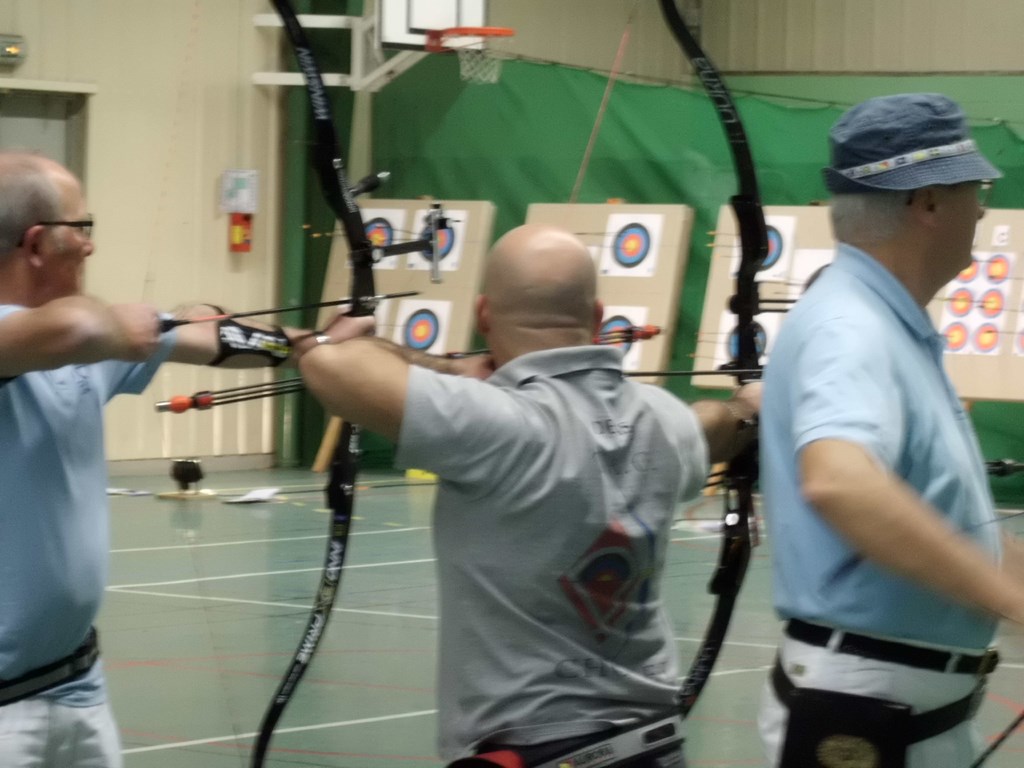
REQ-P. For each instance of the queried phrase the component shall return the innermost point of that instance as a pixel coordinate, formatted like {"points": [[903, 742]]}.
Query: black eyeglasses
{"points": [[85, 225]]}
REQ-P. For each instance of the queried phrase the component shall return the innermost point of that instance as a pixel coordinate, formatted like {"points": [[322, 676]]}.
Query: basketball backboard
{"points": [[402, 24]]}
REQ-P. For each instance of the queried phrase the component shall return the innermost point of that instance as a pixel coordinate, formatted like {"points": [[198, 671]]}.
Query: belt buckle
{"points": [[989, 661]]}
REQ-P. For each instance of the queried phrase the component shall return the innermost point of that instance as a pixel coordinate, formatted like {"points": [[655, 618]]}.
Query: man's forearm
{"points": [[886, 521]]}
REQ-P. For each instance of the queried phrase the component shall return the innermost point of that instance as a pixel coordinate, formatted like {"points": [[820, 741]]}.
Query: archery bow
{"points": [[340, 490], [740, 525]]}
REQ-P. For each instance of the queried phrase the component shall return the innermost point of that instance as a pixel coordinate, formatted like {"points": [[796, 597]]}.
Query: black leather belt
{"points": [[891, 651], [922, 726], [52, 675]]}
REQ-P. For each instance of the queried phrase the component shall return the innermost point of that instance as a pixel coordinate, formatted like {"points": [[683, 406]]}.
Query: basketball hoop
{"points": [[476, 64]]}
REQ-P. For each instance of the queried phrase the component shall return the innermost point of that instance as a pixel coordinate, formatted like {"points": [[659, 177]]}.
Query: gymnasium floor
{"points": [[207, 602]]}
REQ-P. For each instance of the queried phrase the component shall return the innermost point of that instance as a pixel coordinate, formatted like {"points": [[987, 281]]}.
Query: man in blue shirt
{"points": [[63, 355], [887, 562]]}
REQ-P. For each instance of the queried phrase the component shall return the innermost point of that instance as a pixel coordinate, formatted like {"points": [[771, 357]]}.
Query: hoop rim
{"points": [[436, 38]]}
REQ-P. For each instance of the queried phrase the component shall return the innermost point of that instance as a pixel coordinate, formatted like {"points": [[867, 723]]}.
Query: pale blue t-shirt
{"points": [[858, 360], [54, 521]]}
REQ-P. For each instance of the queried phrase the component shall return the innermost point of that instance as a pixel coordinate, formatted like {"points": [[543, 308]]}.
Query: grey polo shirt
{"points": [[559, 482]]}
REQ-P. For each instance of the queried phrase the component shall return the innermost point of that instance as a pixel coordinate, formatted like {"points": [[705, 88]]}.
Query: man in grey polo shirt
{"points": [[886, 559], [559, 480]]}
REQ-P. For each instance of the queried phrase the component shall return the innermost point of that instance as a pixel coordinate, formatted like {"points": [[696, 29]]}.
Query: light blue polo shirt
{"points": [[54, 521], [858, 360]]}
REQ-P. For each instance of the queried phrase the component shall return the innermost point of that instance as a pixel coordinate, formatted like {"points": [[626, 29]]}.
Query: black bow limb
{"points": [[739, 517]]}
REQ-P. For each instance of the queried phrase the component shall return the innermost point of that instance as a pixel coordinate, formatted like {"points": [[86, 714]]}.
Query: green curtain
{"points": [[521, 141]]}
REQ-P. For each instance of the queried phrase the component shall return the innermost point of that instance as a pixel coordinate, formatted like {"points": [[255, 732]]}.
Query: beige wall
{"points": [[172, 108], [806, 36]]}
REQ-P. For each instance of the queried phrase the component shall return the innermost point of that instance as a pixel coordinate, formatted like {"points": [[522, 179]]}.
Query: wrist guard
{"points": [[237, 339]]}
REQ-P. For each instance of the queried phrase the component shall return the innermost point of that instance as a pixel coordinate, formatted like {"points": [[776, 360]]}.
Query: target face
{"points": [[632, 244], [617, 323], [775, 247], [998, 268], [760, 341], [956, 336], [379, 232], [992, 303], [986, 338], [421, 330], [445, 243], [970, 273], [960, 302]]}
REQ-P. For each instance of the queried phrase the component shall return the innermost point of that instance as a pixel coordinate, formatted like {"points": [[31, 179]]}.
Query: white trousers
{"points": [[39, 733], [811, 667]]}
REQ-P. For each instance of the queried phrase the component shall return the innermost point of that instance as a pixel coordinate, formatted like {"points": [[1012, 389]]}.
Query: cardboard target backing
{"points": [[440, 319], [641, 253], [979, 312]]}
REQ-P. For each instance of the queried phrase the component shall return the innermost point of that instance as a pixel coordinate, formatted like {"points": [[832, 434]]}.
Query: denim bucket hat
{"points": [[903, 142]]}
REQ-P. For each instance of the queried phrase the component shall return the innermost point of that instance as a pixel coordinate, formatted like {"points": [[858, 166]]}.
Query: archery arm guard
{"points": [[237, 339]]}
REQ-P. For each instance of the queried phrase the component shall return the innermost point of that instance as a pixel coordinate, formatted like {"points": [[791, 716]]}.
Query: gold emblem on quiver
{"points": [[841, 751]]}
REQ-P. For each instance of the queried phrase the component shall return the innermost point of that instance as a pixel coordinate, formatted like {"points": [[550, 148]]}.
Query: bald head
{"points": [[540, 288]]}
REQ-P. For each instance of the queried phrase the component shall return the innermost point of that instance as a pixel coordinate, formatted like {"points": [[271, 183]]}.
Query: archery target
{"points": [[775, 245], [960, 302], [778, 262], [379, 232], [385, 226], [760, 341], [969, 273], [631, 244], [956, 336], [623, 317], [727, 341], [974, 305], [421, 330], [997, 268], [991, 304], [986, 338], [450, 241], [422, 325]]}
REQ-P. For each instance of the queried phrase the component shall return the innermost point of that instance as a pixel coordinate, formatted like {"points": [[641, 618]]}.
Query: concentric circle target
{"points": [[956, 336], [992, 303], [617, 323], [379, 232], [760, 341], [997, 268], [969, 273], [775, 246], [421, 330], [445, 243], [960, 302], [986, 338], [631, 246]]}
